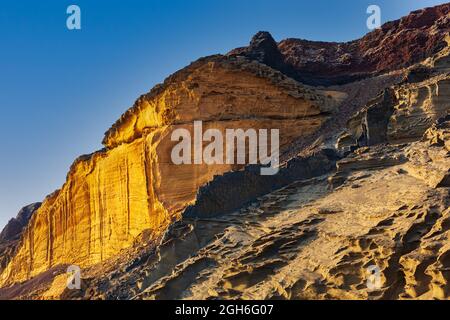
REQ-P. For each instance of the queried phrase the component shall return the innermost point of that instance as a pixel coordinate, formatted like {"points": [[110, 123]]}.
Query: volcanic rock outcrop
{"points": [[397, 44]]}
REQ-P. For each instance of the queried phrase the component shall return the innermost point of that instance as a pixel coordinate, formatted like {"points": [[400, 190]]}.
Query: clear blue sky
{"points": [[60, 90]]}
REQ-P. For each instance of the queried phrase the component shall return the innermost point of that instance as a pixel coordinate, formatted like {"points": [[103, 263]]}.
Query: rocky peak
{"points": [[264, 49], [264, 40], [15, 226], [397, 44]]}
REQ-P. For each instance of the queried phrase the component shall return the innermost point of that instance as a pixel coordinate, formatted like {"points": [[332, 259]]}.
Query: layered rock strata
{"points": [[419, 106], [114, 195], [10, 235]]}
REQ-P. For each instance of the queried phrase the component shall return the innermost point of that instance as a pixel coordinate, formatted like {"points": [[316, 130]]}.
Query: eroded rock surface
{"points": [[303, 241], [397, 44], [363, 182], [114, 195], [10, 235], [429, 159]]}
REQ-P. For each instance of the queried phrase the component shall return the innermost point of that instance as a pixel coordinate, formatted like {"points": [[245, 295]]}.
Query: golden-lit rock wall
{"points": [[113, 195]]}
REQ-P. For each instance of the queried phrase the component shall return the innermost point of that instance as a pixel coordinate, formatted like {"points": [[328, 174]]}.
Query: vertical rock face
{"points": [[132, 186]]}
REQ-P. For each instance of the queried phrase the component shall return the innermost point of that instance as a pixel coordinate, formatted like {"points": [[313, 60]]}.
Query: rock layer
{"points": [[10, 235], [429, 159], [303, 241]]}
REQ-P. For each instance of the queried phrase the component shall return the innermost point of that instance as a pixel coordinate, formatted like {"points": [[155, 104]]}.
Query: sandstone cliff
{"points": [[114, 195], [363, 181]]}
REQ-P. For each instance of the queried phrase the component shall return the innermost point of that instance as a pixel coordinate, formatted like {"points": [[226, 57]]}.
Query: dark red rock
{"points": [[395, 45]]}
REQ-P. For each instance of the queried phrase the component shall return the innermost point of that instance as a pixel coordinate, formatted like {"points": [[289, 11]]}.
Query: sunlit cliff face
{"points": [[364, 185], [114, 195]]}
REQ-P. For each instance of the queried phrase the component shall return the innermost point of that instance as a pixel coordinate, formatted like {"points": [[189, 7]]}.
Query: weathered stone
{"points": [[9, 237], [15, 226], [216, 198], [397, 44], [143, 228], [369, 126], [114, 195], [429, 159], [381, 156], [419, 106]]}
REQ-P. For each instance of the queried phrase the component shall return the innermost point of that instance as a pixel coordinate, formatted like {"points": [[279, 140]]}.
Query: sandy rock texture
{"points": [[359, 209], [397, 44], [312, 239], [114, 195]]}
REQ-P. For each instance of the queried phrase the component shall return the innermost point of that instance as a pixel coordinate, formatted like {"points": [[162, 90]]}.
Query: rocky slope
{"points": [[315, 238], [307, 241], [363, 182]]}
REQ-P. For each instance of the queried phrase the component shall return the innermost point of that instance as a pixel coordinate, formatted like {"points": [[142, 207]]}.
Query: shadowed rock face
{"points": [[418, 106], [363, 181], [395, 45], [264, 49], [400, 114], [15, 226]]}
